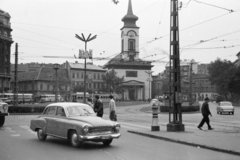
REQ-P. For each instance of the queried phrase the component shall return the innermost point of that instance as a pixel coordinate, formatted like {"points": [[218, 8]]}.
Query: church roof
{"points": [[130, 19], [88, 66], [118, 60]]}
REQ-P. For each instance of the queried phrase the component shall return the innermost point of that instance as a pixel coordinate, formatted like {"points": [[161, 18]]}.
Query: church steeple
{"points": [[130, 19]]}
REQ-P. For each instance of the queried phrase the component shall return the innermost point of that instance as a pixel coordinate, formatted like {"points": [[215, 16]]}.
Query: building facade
{"points": [[136, 72], [43, 81], [94, 74], [5, 51], [202, 87]]}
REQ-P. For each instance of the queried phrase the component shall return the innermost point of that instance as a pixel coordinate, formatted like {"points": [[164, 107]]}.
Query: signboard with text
{"points": [[85, 54]]}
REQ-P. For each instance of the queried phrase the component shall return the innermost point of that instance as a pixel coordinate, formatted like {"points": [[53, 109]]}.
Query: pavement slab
{"points": [[219, 139]]}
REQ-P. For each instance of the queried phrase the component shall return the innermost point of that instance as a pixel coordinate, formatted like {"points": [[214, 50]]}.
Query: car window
{"points": [[61, 112], [226, 104], [51, 110], [80, 111]]}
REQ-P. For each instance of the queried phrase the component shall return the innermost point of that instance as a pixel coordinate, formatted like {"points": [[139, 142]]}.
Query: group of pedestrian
{"points": [[97, 106]]}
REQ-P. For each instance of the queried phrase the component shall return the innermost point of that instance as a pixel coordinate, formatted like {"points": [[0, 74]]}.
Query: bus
{"points": [[21, 97], [105, 97], [79, 97], [50, 98]]}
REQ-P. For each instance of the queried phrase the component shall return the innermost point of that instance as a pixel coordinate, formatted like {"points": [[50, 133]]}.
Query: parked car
{"points": [[225, 107], [75, 122]]}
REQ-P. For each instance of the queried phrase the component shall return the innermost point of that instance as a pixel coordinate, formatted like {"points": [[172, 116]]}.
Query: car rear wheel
{"points": [[74, 139], [41, 135], [2, 120], [232, 113], [107, 142]]}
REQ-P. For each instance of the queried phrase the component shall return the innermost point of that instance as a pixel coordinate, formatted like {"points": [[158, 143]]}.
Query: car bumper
{"points": [[99, 137], [4, 114]]}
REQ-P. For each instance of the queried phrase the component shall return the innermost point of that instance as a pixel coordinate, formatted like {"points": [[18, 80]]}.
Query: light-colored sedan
{"points": [[75, 122], [225, 107]]}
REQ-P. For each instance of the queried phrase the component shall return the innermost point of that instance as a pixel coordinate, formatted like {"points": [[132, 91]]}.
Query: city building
{"points": [[202, 87], [5, 51], [237, 62], [191, 73], [43, 81], [136, 72], [94, 75]]}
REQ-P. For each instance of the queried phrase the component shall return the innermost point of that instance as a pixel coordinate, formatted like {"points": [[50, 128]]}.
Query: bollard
{"points": [[155, 105]]}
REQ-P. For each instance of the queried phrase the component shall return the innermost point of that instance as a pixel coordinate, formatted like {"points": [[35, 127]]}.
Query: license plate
{"points": [[105, 137]]}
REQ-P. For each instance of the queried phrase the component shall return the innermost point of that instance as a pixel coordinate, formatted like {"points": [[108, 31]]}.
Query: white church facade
{"points": [[136, 72]]}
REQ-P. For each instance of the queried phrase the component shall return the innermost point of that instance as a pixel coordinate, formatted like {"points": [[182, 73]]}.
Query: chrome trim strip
{"points": [[99, 137]]}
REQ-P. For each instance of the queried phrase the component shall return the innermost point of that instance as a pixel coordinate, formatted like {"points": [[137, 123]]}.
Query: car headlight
{"points": [[85, 129], [5, 108], [117, 127]]}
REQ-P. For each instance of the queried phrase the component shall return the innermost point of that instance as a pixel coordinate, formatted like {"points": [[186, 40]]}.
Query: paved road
{"points": [[18, 142]]}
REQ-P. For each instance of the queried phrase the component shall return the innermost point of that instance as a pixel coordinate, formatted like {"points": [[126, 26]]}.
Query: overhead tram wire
{"points": [[230, 10], [43, 42], [204, 41], [157, 38]]}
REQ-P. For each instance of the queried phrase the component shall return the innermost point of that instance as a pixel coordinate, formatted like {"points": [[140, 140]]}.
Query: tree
{"points": [[113, 83], [222, 75], [63, 83], [80, 88]]}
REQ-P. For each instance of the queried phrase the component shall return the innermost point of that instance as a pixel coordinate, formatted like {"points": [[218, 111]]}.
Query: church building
{"points": [[136, 72]]}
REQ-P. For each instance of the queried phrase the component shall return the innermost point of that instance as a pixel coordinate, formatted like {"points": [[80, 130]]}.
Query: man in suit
{"points": [[205, 112]]}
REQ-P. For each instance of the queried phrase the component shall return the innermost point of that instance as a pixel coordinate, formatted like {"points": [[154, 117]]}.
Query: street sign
{"points": [[85, 54]]}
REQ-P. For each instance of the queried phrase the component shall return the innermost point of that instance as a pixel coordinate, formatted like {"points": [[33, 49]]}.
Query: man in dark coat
{"points": [[205, 112], [98, 106]]}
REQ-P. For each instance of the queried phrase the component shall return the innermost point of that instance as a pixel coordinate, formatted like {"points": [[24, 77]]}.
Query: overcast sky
{"points": [[208, 28]]}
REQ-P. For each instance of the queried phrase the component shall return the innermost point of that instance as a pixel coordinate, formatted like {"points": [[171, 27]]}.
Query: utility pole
{"points": [[175, 100], [85, 40], [15, 90]]}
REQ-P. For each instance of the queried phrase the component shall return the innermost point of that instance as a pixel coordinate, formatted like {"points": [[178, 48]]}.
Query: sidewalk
{"points": [[225, 140]]}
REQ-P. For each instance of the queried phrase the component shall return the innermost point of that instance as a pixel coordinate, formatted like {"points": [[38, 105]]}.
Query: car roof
{"points": [[67, 104], [225, 102]]}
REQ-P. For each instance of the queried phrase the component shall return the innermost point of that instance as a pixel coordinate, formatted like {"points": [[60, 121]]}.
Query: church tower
{"points": [[127, 64], [130, 36]]}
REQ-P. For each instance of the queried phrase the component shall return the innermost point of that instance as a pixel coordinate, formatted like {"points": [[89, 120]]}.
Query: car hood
{"points": [[94, 121]]}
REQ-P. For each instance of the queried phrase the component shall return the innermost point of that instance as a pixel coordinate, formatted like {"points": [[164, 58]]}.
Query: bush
{"points": [[220, 98], [36, 110], [184, 108]]}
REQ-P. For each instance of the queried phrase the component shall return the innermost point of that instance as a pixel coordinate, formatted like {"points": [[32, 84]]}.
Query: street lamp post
{"points": [[85, 40], [149, 78], [56, 67]]}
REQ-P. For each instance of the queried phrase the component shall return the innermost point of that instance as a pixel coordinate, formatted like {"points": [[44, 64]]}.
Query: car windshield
{"points": [[226, 103], [80, 111]]}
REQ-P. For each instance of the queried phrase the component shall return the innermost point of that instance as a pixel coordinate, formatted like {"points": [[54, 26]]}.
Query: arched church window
{"points": [[131, 44]]}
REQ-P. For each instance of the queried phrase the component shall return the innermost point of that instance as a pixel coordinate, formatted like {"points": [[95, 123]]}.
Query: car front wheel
{"points": [[41, 135], [107, 142], [74, 139]]}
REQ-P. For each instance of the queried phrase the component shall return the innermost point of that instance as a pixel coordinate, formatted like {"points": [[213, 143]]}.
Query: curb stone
{"points": [[186, 143]]}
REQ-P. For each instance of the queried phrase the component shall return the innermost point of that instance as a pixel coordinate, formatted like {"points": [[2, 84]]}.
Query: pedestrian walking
{"points": [[205, 112], [98, 106], [112, 109]]}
